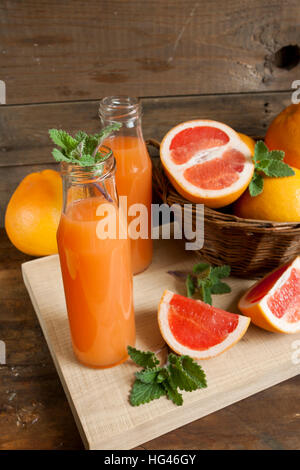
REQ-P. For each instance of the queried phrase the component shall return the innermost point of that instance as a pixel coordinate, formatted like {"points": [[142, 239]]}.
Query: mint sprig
{"points": [[82, 149], [205, 280], [154, 381], [267, 163]]}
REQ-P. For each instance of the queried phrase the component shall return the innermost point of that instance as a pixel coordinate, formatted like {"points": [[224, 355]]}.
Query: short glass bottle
{"points": [[96, 271]]}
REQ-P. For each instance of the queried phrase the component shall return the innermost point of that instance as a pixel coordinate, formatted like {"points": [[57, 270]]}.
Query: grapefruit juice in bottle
{"points": [[96, 271], [134, 167]]}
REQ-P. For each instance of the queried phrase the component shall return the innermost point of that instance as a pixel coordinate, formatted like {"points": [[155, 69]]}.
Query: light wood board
{"points": [[99, 398]]}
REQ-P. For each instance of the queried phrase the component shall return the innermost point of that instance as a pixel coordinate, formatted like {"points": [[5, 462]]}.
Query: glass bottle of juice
{"points": [[96, 264], [134, 167]]}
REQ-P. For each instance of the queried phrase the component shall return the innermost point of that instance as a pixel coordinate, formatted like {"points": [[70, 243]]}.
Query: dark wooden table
{"points": [[34, 412]]}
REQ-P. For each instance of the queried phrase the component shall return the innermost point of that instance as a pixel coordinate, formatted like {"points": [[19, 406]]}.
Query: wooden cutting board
{"points": [[99, 398]]}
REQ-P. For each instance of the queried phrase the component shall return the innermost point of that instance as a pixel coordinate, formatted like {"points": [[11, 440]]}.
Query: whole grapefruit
{"points": [[33, 213], [284, 134], [279, 200]]}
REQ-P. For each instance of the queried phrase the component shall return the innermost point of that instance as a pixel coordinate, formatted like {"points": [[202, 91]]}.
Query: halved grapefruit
{"points": [[207, 162], [273, 303], [197, 329]]}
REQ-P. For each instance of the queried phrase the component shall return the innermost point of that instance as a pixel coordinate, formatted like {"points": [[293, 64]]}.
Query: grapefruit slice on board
{"points": [[273, 303], [197, 329], [207, 162]]}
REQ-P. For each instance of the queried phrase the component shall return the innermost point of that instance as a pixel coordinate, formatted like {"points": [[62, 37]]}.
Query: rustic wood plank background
{"points": [[234, 61], [70, 50]]}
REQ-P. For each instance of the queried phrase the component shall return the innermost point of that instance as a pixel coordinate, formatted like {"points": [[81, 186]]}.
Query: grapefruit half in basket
{"points": [[273, 303], [207, 162], [197, 329]]}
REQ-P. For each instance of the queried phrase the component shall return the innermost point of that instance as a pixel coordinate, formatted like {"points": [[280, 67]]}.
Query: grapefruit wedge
{"points": [[195, 328], [207, 162], [273, 303]]}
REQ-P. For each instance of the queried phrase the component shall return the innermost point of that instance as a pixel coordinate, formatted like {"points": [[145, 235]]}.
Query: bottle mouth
{"points": [[118, 108], [98, 171]]}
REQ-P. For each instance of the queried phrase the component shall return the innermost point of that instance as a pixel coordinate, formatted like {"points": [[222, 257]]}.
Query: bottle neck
{"points": [[102, 169], [123, 109], [90, 181]]}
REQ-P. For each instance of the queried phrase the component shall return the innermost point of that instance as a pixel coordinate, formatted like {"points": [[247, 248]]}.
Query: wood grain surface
{"points": [[25, 146], [99, 398], [31, 393], [73, 50]]}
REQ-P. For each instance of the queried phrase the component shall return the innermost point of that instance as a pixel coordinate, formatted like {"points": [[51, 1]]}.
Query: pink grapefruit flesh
{"points": [[195, 328], [274, 302], [218, 173], [188, 142]]}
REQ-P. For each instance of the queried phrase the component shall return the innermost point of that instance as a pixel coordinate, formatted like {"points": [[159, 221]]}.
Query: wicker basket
{"points": [[251, 247]]}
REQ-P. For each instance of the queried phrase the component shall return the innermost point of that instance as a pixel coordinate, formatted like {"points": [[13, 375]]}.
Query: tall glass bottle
{"points": [[96, 264], [134, 167]]}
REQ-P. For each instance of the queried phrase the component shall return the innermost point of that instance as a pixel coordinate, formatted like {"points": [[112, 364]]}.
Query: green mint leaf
{"points": [[256, 185], [200, 282], [190, 286], [194, 371], [87, 160], [104, 133], [220, 288], [172, 393], [261, 151], [221, 271], [206, 294], [162, 375], [144, 393], [200, 267], [204, 281], [90, 144], [202, 273], [278, 169], [80, 136], [59, 156], [277, 154], [148, 376], [262, 165], [143, 358], [63, 139], [178, 377]]}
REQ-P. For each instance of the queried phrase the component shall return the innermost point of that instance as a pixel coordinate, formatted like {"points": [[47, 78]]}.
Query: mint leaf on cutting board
{"points": [[154, 381]]}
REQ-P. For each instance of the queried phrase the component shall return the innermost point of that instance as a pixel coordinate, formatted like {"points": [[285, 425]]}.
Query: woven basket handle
{"points": [[153, 143]]}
